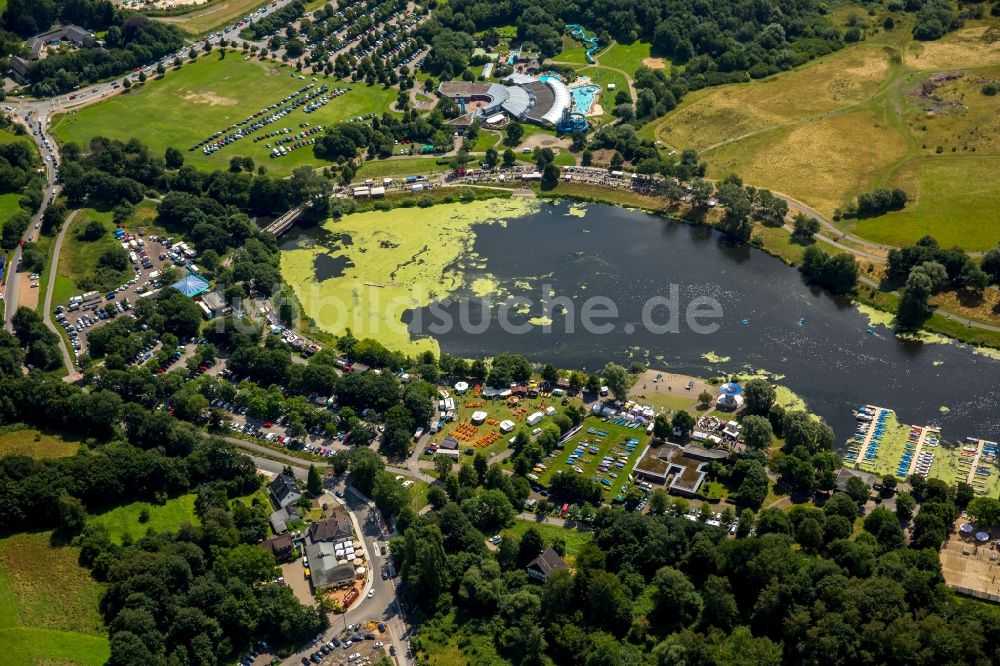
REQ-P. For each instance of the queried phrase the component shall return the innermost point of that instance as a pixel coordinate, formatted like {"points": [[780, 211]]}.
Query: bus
{"points": [[564, 510]]}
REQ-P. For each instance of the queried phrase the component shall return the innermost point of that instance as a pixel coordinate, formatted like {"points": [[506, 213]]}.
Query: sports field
{"points": [[169, 517], [206, 96], [215, 15], [49, 605], [608, 439], [35, 444], [956, 200]]}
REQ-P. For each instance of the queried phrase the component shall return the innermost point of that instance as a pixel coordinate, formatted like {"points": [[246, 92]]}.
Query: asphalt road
{"points": [[50, 191], [68, 360]]}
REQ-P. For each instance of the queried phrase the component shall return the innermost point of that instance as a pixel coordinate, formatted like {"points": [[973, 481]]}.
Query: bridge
{"points": [[284, 223]]}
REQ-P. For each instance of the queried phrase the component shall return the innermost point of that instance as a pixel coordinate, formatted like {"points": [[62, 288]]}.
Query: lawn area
{"points": [[78, 256], [38, 445], [208, 95], [169, 517], [49, 605], [572, 52], [596, 446], [486, 139], [403, 166], [778, 241], [628, 57], [8, 201], [574, 539], [213, 16], [603, 77], [8, 204], [418, 494], [956, 200]]}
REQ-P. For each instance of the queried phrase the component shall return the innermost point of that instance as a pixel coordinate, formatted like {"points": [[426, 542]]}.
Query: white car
{"points": [[371, 593]]}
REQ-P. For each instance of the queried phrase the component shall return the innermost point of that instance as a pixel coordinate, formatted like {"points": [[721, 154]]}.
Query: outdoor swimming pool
{"points": [[583, 98]]}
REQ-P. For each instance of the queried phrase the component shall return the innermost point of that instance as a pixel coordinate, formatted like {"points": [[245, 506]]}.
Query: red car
{"points": [[268, 424]]}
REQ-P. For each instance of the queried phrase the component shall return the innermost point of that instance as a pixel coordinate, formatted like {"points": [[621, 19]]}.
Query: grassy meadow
{"points": [[49, 605], [203, 97], [954, 199], [34, 444], [124, 520], [574, 539], [859, 119]]}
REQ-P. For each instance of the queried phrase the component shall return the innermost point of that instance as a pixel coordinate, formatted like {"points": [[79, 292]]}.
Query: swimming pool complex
{"points": [[583, 98]]}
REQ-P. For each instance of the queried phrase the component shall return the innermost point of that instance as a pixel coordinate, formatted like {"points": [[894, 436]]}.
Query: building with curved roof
{"points": [[542, 101], [561, 102]]}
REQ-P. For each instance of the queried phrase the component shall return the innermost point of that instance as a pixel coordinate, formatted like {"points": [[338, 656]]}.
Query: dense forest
{"points": [[130, 40], [792, 588]]}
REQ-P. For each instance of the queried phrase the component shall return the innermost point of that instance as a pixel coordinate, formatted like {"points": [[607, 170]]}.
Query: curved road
{"points": [[53, 267]]}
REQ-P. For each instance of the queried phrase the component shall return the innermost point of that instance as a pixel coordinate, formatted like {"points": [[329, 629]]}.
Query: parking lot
{"points": [[149, 256], [359, 644]]}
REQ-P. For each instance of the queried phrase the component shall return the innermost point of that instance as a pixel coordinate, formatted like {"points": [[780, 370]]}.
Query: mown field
{"points": [[49, 606], [35, 444], [215, 15], [628, 57], [206, 96]]}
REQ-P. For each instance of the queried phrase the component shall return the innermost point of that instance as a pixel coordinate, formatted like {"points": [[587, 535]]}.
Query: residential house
{"points": [[284, 490], [281, 546], [542, 566], [335, 526]]}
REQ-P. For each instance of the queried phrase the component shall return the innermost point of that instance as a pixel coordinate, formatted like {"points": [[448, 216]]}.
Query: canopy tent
{"points": [[191, 285], [731, 388], [461, 387], [982, 537], [966, 528]]}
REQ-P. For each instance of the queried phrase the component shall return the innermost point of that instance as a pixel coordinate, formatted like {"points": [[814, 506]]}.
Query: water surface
{"points": [[771, 320]]}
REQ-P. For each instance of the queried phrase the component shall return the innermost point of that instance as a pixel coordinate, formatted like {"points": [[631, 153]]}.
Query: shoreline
{"points": [[941, 324]]}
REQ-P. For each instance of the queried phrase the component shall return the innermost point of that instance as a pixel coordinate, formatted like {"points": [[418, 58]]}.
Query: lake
{"points": [[819, 346]]}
